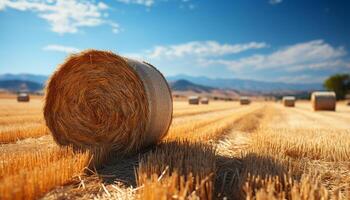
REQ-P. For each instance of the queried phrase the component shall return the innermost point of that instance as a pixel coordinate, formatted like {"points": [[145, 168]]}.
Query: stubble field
{"points": [[257, 151]]}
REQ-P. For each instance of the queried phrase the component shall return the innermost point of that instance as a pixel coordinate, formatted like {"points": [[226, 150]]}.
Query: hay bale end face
{"points": [[244, 100], [101, 101], [288, 101], [193, 100], [204, 101], [323, 101], [23, 97]]}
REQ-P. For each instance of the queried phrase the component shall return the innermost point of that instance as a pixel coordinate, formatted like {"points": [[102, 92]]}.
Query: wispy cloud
{"points": [[273, 2], [314, 54], [202, 49], [64, 16], [61, 48], [147, 3], [309, 61]]}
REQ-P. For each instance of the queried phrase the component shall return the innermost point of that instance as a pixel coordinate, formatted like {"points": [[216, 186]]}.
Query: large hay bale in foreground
{"points": [[104, 102], [323, 101], [288, 101], [204, 101], [193, 100], [244, 100]]}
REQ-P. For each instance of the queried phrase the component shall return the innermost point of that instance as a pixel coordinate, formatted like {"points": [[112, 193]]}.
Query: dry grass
{"points": [[16, 133], [254, 152], [177, 170], [293, 163], [31, 175], [183, 166], [35, 118], [327, 145], [202, 109], [207, 128]]}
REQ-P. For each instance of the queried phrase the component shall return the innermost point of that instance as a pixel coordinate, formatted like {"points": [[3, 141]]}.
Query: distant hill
{"points": [[16, 85], [184, 85], [186, 88], [247, 85], [41, 79]]}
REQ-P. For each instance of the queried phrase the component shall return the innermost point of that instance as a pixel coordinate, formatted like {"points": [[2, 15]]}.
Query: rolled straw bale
{"points": [[104, 102], [347, 97], [244, 100], [23, 97], [323, 101], [193, 100], [288, 101], [204, 101]]}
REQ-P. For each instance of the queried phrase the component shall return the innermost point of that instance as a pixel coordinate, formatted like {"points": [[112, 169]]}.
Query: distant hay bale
{"points": [[204, 101], [104, 102], [244, 100], [23, 97], [288, 101], [193, 100], [323, 101], [347, 97]]}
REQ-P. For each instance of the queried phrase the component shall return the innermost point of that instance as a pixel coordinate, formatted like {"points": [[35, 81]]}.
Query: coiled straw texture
{"points": [[96, 100]]}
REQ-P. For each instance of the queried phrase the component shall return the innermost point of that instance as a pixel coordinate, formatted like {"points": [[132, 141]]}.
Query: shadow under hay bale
{"points": [[193, 100], [288, 101], [323, 101], [244, 100], [104, 102]]}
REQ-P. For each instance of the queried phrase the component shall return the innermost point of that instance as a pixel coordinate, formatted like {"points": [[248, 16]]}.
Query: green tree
{"points": [[339, 83]]}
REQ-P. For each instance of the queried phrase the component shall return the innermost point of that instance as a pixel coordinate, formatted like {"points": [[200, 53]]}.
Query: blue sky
{"points": [[271, 40]]}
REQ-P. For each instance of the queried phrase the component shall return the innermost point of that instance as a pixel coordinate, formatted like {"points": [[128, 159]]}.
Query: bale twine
{"points": [[106, 103], [204, 101], [244, 100], [193, 100], [288, 101], [323, 101]]}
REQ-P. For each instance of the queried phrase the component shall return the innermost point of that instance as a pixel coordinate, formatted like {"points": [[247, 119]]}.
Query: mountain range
{"points": [[247, 85], [34, 82]]}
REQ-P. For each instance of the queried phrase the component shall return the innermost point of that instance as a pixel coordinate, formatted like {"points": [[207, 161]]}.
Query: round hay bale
{"points": [[288, 101], [323, 101], [107, 103], [193, 100], [204, 101], [23, 97], [244, 100]]}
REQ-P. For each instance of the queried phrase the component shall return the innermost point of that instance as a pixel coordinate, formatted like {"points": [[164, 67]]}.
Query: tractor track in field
{"points": [[232, 145]]}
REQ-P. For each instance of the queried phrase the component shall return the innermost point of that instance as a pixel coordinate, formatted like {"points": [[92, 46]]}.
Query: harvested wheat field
{"points": [[215, 151]]}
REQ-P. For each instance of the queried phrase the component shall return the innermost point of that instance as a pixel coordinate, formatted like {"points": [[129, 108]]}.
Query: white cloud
{"points": [[61, 48], [202, 49], [64, 16], [147, 3], [273, 2], [314, 54]]}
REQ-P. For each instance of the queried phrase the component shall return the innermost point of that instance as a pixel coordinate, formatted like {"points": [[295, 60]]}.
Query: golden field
{"points": [[215, 151]]}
